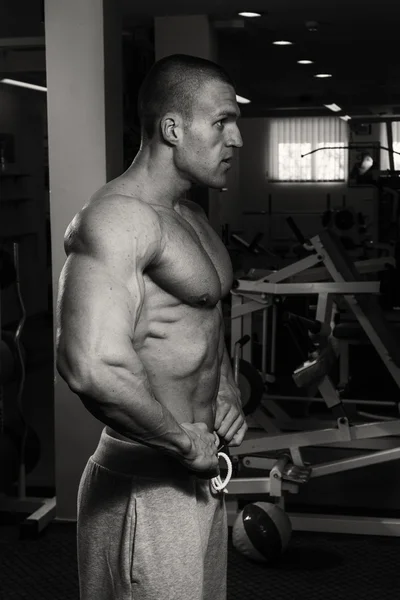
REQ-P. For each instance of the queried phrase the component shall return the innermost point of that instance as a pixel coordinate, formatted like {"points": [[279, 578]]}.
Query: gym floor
{"points": [[314, 567]]}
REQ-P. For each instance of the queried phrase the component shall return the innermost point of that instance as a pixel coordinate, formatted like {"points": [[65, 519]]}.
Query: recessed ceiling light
{"points": [[323, 75], [241, 100], [333, 107], [345, 118], [305, 62], [249, 15], [282, 43], [23, 84]]}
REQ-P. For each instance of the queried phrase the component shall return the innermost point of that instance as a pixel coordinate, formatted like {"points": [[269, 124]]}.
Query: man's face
{"points": [[205, 153]]}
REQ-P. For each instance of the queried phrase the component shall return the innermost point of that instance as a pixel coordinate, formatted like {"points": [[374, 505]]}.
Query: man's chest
{"points": [[193, 255]]}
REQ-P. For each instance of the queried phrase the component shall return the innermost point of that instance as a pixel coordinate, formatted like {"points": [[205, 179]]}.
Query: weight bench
{"points": [[286, 467]]}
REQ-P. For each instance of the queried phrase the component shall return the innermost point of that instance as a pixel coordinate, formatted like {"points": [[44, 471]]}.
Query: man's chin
{"points": [[218, 185], [215, 184]]}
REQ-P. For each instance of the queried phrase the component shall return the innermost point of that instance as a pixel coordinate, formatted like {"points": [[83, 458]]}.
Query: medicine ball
{"points": [[261, 531]]}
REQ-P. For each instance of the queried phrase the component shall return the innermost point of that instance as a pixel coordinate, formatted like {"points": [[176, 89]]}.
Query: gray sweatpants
{"points": [[148, 529]]}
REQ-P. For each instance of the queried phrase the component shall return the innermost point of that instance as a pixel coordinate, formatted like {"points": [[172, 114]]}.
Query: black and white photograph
{"points": [[199, 300]]}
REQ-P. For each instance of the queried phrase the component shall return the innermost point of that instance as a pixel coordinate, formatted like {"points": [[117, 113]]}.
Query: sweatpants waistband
{"points": [[134, 459]]}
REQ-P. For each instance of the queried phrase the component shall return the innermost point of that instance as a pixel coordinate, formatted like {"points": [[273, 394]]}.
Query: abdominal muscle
{"points": [[181, 352]]}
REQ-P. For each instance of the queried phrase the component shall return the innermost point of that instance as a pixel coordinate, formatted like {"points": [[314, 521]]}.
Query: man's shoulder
{"points": [[121, 213], [119, 208], [110, 218]]}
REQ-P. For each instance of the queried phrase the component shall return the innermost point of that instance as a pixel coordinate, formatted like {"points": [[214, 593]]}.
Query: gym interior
{"points": [[311, 220]]}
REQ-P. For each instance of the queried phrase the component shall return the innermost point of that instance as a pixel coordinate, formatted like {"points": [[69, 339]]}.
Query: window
{"points": [[292, 138], [385, 164], [291, 166]]}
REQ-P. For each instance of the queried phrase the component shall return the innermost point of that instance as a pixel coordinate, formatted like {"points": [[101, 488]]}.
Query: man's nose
{"points": [[236, 138], [239, 142]]}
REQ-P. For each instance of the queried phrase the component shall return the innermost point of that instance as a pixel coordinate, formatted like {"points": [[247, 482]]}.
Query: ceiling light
{"points": [[23, 84], [241, 100], [333, 107], [345, 118], [249, 15], [282, 43], [323, 75], [305, 62]]}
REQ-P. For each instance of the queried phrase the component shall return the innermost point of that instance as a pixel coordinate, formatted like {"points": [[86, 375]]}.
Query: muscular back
{"points": [[147, 280]]}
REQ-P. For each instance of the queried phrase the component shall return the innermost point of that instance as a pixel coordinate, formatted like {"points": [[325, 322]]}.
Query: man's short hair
{"points": [[171, 85]]}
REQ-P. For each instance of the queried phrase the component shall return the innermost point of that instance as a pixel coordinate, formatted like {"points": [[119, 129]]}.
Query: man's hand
{"points": [[202, 458], [230, 423]]}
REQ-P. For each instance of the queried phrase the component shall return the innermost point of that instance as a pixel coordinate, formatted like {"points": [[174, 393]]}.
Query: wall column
{"points": [[84, 67]]}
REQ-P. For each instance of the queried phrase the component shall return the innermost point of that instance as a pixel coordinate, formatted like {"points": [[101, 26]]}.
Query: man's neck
{"points": [[154, 173]]}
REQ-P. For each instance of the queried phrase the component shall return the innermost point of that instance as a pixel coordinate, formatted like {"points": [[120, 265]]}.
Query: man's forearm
{"points": [[226, 371], [124, 401], [230, 422], [227, 375]]}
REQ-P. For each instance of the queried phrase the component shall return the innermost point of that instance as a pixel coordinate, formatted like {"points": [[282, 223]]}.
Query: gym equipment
{"points": [[253, 247], [254, 386], [12, 432], [281, 451], [348, 224], [261, 532], [19, 446], [366, 171], [245, 253], [216, 483]]}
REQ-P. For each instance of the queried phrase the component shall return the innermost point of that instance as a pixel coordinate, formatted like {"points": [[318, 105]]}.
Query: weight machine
{"points": [[283, 459], [14, 448]]}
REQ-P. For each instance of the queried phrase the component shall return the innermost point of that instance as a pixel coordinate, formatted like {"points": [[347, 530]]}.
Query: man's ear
{"points": [[171, 129]]}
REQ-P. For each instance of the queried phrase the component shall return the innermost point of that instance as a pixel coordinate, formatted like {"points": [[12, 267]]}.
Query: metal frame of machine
{"points": [[251, 296]]}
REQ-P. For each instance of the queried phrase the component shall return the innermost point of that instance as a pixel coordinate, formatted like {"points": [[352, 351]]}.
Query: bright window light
{"points": [[23, 84], [241, 100], [333, 107], [305, 61], [291, 145], [396, 146], [291, 165], [323, 75], [249, 15], [326, 165], [282, 43], [330, 162]]}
